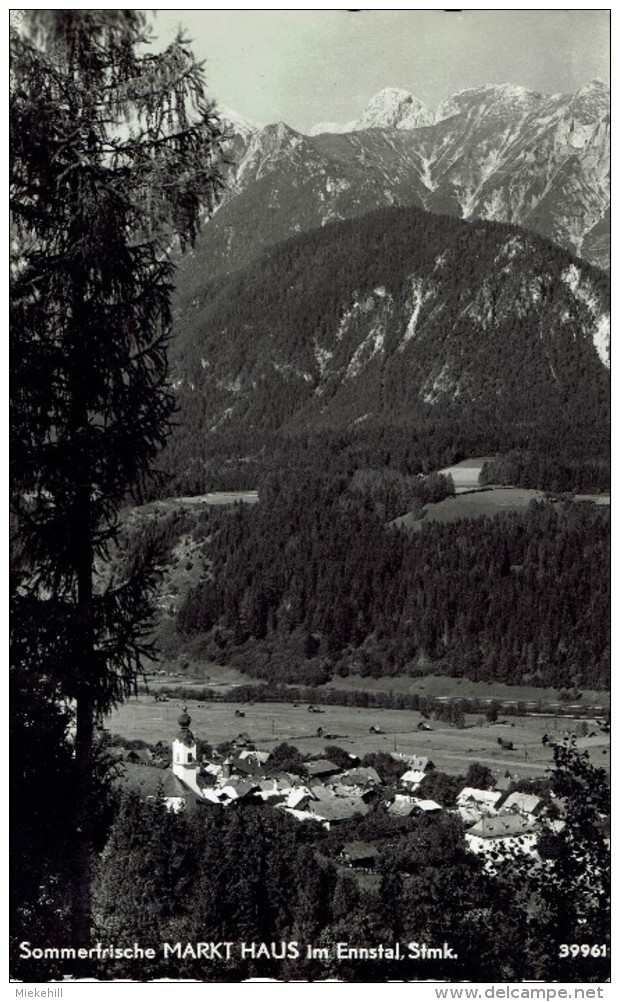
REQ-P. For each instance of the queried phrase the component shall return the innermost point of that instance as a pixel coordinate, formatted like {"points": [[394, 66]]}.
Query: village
{"points": [[499, 820]]}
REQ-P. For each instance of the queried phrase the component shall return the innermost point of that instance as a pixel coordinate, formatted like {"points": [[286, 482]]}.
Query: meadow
{"points": [[269, 724], [486, 501]]}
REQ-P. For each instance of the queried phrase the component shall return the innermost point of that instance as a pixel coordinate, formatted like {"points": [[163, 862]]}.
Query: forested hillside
{"points": [[402, 325], [310, 582]]}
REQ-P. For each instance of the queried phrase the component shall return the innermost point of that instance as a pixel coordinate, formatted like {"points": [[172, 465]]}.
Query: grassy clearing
{"points": [[477, 504], [268, 724], [466, 473], [221, 678]]}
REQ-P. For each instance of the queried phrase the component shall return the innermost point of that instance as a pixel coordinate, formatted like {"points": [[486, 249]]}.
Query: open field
{"points": [[466, 473], [490, 501], [213, 499], [268, 724]]}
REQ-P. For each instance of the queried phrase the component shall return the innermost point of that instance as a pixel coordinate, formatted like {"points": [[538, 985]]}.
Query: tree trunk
{"points": [[81, 918], [88, 680]]}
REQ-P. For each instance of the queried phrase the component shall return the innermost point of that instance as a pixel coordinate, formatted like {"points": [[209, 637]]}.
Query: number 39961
{"points": [[583, 950]]}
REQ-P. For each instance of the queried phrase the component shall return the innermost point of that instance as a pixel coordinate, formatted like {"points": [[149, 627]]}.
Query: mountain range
{"points": [[410, 269], [498, 152]]}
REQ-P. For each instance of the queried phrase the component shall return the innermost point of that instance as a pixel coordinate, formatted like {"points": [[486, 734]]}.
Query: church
{"points": [[184, 755]]}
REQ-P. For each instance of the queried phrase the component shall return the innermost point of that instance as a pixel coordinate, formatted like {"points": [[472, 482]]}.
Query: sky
{"points": [[309, 66]]}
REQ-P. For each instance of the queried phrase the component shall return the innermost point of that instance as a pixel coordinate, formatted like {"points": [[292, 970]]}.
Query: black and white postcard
{"points": [[310, 569]]}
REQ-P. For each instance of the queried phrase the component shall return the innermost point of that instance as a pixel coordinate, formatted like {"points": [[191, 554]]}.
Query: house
{"points": [[333, 810], [402, 806], [426, 806], [300, 797], [503, 837], [363, 777], [285, 781], [243, 740], [412, 778], [269, 793], [247, 766], [254, 755], [358, 855], [473, 804], [421, 763], [483, 800], [526, 804], [153, 783], [237, 789], [505, 782], [141, 756], [297, 814], [320, 768]]}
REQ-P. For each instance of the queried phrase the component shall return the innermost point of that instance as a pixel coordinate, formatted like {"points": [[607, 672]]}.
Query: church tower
{"points": [[184, 764]]}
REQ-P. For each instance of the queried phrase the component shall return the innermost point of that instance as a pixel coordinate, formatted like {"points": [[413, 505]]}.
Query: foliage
{"points": [[479, 777], [113, 155], [286, 758], [521, 597], [390, 769], [555, 471], [569, 895], [441, 787], [340, 757]]}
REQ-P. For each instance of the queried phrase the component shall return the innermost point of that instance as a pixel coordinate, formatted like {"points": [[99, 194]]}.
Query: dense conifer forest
{"points": [[312, 582]]}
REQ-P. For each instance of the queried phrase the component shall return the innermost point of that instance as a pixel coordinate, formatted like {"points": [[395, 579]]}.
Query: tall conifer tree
{"points": [[115, 154]]}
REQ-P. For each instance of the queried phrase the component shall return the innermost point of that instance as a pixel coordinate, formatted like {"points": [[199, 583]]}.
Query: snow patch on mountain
{"points": [[425, 173], [229, 385], [286, 369], [572, 276]]}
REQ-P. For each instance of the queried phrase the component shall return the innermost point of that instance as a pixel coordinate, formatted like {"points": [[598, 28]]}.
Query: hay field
{"points": [[268, 724]]}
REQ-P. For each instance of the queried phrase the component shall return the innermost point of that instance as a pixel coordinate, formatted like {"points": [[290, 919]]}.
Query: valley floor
{"points": [[451, 749]]}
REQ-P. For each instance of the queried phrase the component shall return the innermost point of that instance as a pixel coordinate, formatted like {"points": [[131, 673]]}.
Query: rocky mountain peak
{"points": [[593, 86], [394, 108], [504, 98], [237, 125], [498, 151]]}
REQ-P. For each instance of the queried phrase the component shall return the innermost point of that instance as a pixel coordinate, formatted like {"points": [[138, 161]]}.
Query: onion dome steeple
{"points": [[185, 735]]}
